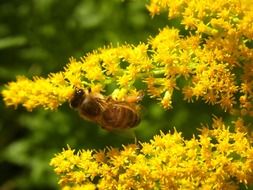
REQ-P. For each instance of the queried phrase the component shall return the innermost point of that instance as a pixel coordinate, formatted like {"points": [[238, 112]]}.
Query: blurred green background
{"points": [[38, 37]]}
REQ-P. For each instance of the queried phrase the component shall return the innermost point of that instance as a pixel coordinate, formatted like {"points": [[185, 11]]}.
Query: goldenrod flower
{"points": [[220, 158], [32, 93], [207, 63]]}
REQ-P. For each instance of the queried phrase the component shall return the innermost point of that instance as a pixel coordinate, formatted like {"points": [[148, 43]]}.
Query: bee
{"points": [[108, 113]]}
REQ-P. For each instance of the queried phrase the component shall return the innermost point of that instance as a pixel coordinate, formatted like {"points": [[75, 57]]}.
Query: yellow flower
{"points": [[125, 80], [37, 92], [207, 65], [167, 161]]}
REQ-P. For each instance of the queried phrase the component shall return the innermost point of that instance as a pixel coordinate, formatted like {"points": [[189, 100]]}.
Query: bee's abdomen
{"points": [[120, 117]]}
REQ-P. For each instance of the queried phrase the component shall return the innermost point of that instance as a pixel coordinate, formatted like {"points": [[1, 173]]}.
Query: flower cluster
{"points": [[220, 158], [207, 60], [222, 33]]}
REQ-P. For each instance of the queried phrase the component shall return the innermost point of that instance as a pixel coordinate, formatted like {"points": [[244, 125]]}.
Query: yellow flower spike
{"points": [[170, 57], [34, 93], [168, 161]]}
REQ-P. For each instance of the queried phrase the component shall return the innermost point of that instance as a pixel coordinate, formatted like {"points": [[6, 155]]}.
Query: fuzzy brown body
{"points": [[119, 115], [108, 113]]}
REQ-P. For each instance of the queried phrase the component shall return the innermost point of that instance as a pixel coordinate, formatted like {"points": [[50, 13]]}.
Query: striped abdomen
{"points": [[119, 116]]}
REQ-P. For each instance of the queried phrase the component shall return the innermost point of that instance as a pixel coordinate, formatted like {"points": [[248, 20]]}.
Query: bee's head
{"points": [[77, 98]]}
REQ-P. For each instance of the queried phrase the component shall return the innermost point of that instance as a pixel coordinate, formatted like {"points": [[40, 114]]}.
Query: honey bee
{"points": [[108, 113]]}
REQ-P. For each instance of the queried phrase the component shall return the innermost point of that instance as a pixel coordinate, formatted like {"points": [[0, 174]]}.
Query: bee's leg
{"points": [[135, 140]]}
